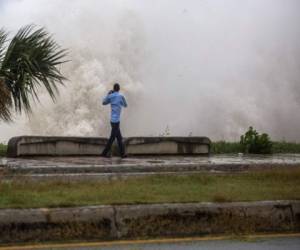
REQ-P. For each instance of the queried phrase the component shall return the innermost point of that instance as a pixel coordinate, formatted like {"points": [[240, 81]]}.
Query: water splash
{"points": [[197, 67]]}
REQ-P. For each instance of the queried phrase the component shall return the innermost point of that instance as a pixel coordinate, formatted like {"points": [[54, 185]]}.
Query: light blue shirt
{"points": [[117, 101]]}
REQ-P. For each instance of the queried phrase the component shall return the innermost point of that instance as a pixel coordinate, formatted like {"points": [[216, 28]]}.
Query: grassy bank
{"points": [[268, 185], [223, 147], [3, 149], [286, 147]]}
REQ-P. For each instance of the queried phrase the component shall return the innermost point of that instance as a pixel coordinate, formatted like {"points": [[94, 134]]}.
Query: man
{"points": [[117, 101]]}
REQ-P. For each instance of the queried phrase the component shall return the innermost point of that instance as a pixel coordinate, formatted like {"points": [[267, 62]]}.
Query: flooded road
{"points": [[40, 168], [158, 160]]}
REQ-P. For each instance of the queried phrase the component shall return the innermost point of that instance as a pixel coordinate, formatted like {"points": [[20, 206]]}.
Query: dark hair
{"points": [[116, 87]]}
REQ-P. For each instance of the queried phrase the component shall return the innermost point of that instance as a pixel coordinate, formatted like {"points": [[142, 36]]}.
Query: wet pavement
{"points": [[284, 243], [100, 161], [94, 167]]}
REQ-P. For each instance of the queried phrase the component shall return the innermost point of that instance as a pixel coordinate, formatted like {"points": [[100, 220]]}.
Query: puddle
{"points": [[155, 161]]}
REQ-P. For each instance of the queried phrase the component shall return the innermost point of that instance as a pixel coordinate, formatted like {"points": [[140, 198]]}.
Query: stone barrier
{"points": [[177, 220], [23, 225], [167, 145], [54, 146], [144, 221], [76, 146]]}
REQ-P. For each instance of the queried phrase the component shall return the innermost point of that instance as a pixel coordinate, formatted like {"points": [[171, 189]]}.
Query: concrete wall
{"points": [[56, 146], [60, 146], [144, 221], [167, 145]]}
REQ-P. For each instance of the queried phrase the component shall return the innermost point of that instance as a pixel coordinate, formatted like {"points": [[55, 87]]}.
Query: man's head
{"points": [[116, 87]]}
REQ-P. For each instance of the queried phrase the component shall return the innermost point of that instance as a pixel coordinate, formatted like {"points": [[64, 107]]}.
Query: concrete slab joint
{"points": [[62, 146]]}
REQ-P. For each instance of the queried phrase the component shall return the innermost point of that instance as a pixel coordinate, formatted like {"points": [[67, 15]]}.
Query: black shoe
{"points": [[124, 156], [105, 156]]}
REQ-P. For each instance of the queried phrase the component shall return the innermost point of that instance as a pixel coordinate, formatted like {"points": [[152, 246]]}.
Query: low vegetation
{"points": [[223, 147], [254, 143], [286, 147], [3, 149], [266, 185], [283, 147]]}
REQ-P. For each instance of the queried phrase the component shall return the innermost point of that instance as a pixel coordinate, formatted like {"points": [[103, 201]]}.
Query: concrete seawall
{"points": [[66, 146], [156, 220], [167, 145], [54, 146]]}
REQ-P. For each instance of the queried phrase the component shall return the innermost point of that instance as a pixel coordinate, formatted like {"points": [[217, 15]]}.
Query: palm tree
{"points": [[30, 59]]}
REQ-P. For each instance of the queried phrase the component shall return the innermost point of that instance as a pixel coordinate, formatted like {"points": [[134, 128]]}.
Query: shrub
{"points": [[3, 149], [223, 147], [254, 143]]}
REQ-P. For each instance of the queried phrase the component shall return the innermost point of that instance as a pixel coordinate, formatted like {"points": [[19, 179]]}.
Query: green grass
{"points": [[3, 149], [266, 185], [286, 147], [223, 147]]}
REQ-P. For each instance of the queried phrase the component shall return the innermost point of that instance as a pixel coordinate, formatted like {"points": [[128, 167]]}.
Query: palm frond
{"points": [[5, 102], [3, 39], [31, 60]]}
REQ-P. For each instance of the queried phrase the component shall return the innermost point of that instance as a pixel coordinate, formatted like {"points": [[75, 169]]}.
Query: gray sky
{"points": [[208, 67]]}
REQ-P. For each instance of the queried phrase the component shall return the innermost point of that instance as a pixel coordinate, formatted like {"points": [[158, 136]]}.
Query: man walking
{"points": [[117, 101]]}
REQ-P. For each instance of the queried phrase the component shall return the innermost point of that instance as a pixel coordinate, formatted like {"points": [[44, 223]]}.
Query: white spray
{"points": [[194, 67]]}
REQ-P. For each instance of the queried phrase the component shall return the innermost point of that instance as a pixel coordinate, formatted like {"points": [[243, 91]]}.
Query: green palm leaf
{"points": [[3, 38], [31, 60], [5, 102], [5, 99]]}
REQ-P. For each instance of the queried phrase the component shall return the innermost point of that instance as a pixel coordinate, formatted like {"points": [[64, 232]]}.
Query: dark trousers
{"points": [[115, 133]]}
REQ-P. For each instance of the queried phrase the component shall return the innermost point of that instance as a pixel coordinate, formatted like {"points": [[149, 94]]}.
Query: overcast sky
{"points": [[193, 67]]}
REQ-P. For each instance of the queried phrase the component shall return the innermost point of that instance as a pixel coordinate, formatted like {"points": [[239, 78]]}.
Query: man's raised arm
{"points": [[106, 100]]}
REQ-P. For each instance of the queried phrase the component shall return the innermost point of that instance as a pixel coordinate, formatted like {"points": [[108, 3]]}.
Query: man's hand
{"points": [[110, 92]]}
